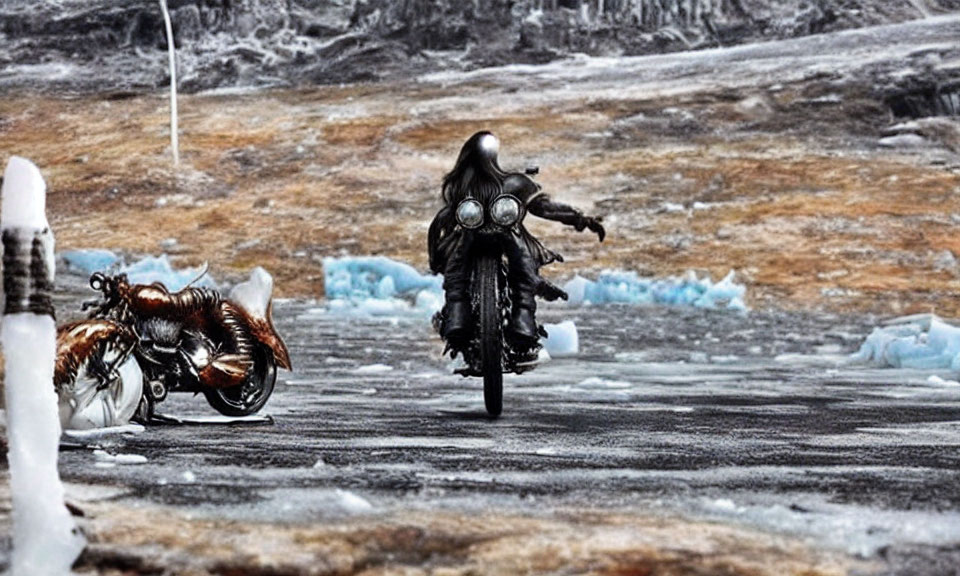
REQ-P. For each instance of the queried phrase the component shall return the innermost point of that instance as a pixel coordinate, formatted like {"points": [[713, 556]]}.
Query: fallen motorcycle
{"points": [[141, 342]]}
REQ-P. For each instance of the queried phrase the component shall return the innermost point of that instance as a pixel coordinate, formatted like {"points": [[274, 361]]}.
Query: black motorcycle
{"points": [[489, 353], [491, 264]]}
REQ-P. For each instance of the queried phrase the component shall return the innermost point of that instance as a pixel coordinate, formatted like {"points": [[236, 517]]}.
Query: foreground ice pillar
{"points": [[45, 538]]}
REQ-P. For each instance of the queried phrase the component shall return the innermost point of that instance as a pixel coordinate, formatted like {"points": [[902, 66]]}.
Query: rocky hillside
{"points": [[93, 45]]}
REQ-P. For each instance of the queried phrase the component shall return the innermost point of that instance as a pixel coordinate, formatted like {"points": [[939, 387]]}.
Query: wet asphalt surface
{"points": [[755, 419]]}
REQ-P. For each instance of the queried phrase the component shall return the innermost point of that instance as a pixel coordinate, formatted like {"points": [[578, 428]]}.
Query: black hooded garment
{"points": [[445, 231]]}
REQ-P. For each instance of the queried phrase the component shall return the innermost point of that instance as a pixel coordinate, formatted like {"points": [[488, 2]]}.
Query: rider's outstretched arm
{"points": [[544, 207]]}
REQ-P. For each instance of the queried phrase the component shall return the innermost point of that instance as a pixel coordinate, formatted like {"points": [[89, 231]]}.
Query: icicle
{"points": [[45, 538]]}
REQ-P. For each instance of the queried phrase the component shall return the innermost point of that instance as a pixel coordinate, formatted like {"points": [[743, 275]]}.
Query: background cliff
{"points": [[86, 45]]}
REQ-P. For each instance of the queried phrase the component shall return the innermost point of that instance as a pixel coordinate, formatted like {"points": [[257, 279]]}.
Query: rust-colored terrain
{"points": [[784, 183], [155, 540]]}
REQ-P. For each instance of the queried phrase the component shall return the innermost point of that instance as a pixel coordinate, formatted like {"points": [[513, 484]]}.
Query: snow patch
{"points": [[595, 383], [351, 503], [102, 456], [938, 381], [857, 529], [903, 141], [374, 369]]}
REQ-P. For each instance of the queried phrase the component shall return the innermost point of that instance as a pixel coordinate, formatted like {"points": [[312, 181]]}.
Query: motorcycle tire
{"points": [[235, 401], [491, 333]]}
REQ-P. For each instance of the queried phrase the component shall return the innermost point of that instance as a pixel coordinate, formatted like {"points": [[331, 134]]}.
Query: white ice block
{"points": [[45, 537], [46, 540], [254, 294], [24, 196]]}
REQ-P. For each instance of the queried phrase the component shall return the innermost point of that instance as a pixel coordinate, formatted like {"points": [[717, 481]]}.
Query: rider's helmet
{"points": [[475, 186], [477, 174]]}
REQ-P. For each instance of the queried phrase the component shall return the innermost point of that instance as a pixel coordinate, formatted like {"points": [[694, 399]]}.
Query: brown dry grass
{"points": [[810, 218]]}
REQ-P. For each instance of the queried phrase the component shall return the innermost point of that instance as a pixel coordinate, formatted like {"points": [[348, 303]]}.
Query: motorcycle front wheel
{"points": [[249, 397], [491, 333]]}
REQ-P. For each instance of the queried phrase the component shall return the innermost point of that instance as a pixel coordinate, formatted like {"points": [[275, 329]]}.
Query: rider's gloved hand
{"points": [[594, 224]]}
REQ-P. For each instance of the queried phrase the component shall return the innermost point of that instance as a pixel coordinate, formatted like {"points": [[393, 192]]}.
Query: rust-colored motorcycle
{"points": [[193, 340]]}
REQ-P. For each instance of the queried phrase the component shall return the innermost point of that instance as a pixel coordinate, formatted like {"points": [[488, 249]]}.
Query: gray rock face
{"points": [[119, 44]]}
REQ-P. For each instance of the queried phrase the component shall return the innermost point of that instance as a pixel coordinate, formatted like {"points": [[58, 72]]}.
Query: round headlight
{"points": [[470, 213], [505, 210]]}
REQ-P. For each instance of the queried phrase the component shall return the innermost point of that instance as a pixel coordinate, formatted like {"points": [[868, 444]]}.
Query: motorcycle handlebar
{"points": [[107, 286]]}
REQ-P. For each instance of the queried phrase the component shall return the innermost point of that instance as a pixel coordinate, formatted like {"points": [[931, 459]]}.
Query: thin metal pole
{"points": [[171, 53]]}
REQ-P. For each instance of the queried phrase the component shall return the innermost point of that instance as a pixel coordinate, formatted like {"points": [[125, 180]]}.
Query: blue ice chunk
{"points": [[144, 271], [374, 277], [355, 283], [627, 287], [158, 269], [89, 261], [922, 341], [725, 291], [377, 286]]}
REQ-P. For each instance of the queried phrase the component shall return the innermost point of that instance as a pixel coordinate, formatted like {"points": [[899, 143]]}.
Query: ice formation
{"points": [[254, 294], [628, 288], [89, 261], [562, 339], [24, 196], [45, 538], [144, 271], [374, 369], [102, 456], [378, 286], [921, 341]]}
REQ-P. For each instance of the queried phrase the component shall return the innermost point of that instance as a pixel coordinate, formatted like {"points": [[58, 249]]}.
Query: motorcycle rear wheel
{"points": [[491, 333], [250, 397]]}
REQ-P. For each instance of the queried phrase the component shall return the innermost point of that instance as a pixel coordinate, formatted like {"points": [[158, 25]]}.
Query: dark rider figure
{"points": [[477, 181]]}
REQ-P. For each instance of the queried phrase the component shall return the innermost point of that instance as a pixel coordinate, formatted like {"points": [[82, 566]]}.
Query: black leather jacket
{"points": [[444, 230]]}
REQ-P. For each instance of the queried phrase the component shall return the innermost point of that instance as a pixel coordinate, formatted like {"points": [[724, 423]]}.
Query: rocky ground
{"points": [[120, 45]]}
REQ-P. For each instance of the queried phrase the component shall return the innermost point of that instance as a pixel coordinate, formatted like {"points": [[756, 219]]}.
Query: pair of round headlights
{"points": [[505, 211]]}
